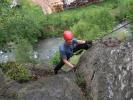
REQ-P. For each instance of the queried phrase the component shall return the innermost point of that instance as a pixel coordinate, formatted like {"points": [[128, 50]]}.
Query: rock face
{"points": [[8, 88], [46, 87], [1, 77], [53, 87], [108, 71]]}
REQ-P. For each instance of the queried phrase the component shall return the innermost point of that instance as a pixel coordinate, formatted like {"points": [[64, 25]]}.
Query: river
{"points": [[43, 50]]}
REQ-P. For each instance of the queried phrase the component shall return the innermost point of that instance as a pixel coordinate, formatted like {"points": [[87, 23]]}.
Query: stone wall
{"points": [[50, 6]]}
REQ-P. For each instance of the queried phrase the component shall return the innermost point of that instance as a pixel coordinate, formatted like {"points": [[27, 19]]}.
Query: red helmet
{"points": [[68, 35]]}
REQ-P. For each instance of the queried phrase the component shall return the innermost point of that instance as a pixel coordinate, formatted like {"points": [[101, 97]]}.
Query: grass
{"points": [[82, 20]]}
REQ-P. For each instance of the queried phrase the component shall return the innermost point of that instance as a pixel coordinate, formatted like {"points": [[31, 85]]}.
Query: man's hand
{"points": [[68, 63], [73, 66]]}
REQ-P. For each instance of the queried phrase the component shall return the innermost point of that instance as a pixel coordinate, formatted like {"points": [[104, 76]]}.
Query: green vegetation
{"points": [[55, 59], [23, 22], [28, 21], [15, 71], [26, 24], [94, 23], [24, 51], [89, 22], [126, 9]]}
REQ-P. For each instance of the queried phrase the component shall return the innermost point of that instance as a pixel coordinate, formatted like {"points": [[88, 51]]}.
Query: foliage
{"points": [[15, 71], [25, 22], [55, 59], [126, 9], [24, 51], [29, 22], [93, 24]]}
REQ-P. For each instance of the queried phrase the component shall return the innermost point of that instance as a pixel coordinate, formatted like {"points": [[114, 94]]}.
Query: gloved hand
{"points": [[88, 42]]}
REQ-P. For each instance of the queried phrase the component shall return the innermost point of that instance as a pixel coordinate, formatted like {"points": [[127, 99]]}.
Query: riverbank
{"points": [[89, 22]]}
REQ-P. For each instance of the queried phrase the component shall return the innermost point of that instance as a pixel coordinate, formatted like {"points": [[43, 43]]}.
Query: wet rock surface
{"points": [[108, 71]]}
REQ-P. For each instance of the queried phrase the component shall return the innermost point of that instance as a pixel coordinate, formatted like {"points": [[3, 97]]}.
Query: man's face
{"points": [[69, 42]]}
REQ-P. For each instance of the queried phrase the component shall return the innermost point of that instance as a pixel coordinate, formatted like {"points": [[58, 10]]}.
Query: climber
{"points": [[67, 49]]}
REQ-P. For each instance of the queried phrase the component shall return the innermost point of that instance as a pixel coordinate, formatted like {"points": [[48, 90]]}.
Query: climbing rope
{"points": [[100, 38]]}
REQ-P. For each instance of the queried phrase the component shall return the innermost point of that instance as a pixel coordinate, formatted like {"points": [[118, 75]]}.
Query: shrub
{"points": [[85, 31], [25, 22], [100, 17], [24, 51], [55, 59], [126, 9], [15, 71], [95, 23]]}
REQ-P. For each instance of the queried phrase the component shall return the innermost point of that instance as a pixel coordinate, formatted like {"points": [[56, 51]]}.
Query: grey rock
{"points": [[109, 71], [8, 88], [58, 87], [53, 87], [1, 78]]}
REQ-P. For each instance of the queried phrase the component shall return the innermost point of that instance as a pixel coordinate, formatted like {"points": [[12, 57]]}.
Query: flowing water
{"points": [[43, 50], [46, 48]]}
